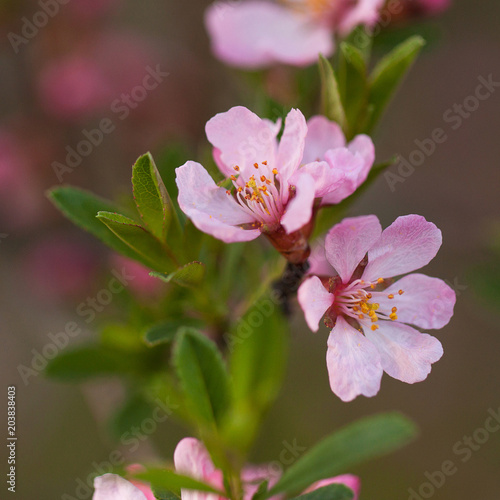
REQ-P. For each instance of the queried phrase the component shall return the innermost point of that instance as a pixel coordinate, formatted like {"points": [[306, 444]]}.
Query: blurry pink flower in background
{"points": [[73, 88], [60, 268], [143, 285], [432, 6], [91, 10], [358, 296], [274, 185], [255, 33], [23, 152]]}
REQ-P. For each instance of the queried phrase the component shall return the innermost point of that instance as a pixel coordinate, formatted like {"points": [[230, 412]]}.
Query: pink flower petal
{"points": [[363, 146], [256, 34], [253, 475], [242, 139], [355, 167], [192, 459], [406, 354], [427, 302], [113, 487], [326, 178], [298, 212], [353, 363], [210, 208], [364, 12], [291, 148], [349, 480], [348, 242], [318, 262], [315, 300], [322, 135], [409, 243]]}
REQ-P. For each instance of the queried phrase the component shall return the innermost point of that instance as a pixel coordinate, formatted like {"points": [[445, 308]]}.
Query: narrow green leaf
{"points": [[387, 75], [330, 492], [190, 275], [363, 440], [165, 332], [165, 495], [258, 347], [93, 361], [139, 240], [352, 85], [203, 376], [166, 480], [331, 102], [81, 208], [151, 197]]}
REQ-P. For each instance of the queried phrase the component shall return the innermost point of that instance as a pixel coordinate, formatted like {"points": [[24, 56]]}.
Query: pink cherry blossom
{"points": [[368, 312], [256, 33], [274, 185], [192, 459]]}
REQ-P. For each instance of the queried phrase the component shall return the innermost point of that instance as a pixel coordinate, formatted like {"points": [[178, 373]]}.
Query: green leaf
{"points": [[165, 332], [94, 361], [352, 85], [330, 492], [203, 376], [258, 347], [331, 102], [165, 495], [133, 413], [362, 40], [363, 440], [387, 75], [166, 480], [139, 240], [190, 275], [151, 197], [81, 208]]}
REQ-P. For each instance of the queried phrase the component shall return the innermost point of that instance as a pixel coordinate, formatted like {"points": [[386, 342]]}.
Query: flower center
{"points": [[258, 194], [359, 301]]}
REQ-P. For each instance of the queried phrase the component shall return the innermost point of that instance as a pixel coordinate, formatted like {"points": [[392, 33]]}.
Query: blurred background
{"points": [[59, 82]]}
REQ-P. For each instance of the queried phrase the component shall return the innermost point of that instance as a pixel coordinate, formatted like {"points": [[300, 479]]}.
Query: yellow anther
{"points": [[264, 163], [394, 309], [256, 165], [240, 189], [361, 316], [371, 314], [374, 327], [275, 171], [228, 192], [233, 178], [380, 280], [369, 296], [393, 316], [355, 309], [375, 306], [401, 292], [364, 307], [391, 296], [263, 178]]}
